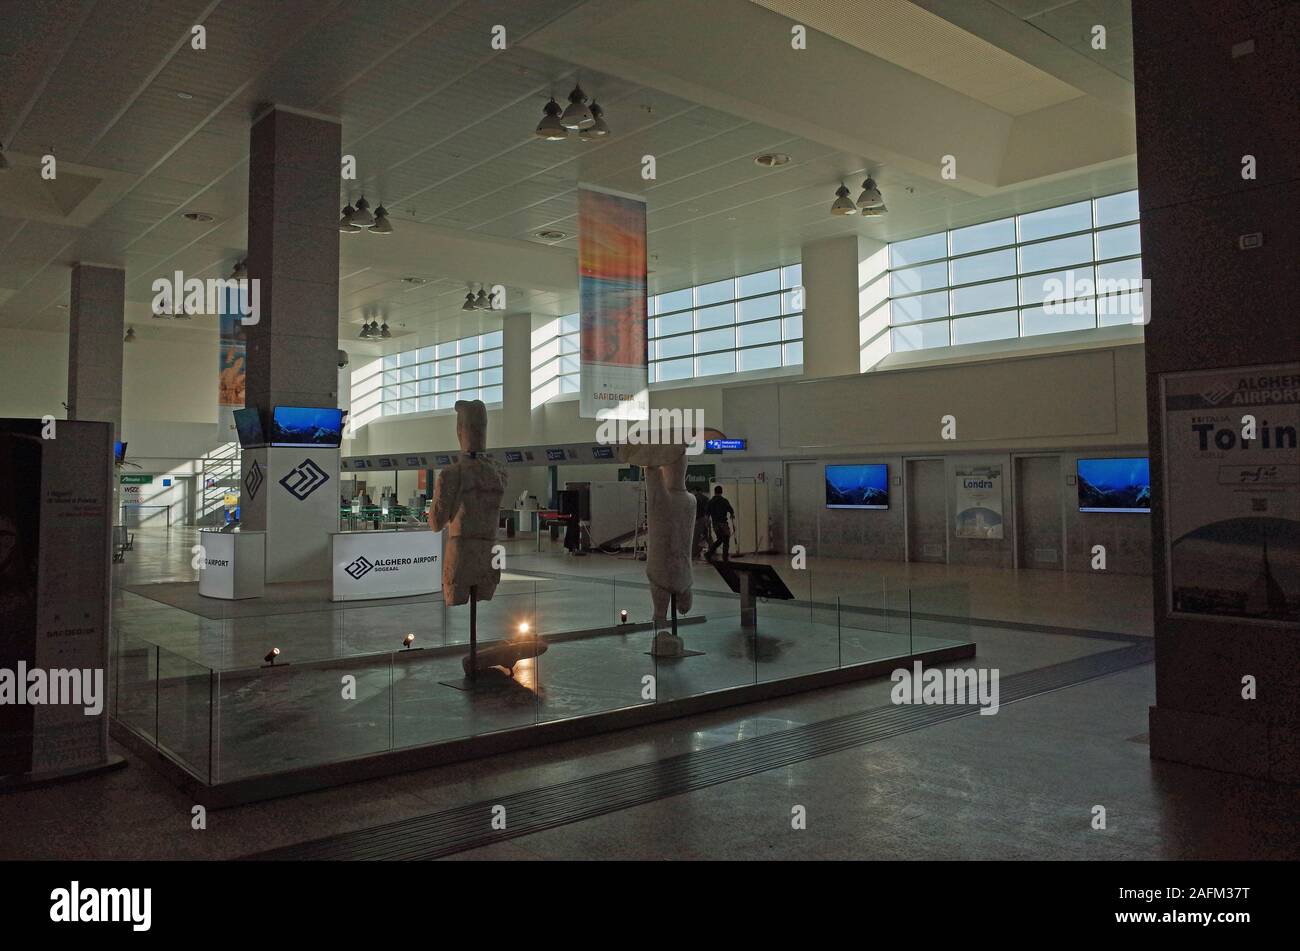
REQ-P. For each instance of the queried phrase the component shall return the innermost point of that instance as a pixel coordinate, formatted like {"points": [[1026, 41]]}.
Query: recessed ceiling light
{"points": [[198, 216], [415, 280], [184, 95], [62, 306], [550, 235], [772, 159]]}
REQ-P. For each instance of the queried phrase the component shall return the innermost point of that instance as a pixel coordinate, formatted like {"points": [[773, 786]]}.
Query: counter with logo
{"points": [[232, 565], [385, 564]]}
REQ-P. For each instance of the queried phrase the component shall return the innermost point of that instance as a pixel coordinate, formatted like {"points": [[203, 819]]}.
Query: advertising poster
{"points": [[612, 294], [232, 353], [979, 502], [1232, 493]]}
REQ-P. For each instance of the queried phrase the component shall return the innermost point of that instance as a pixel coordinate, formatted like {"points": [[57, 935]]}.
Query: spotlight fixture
{"points": [[523, 628], [874, 212], [382, 225], [362, 215], [550, 128], [577, 116], [272, 655], [130, 335], [345, 222], [365, 332], [4, 162], [408, 640], [469, 302], [200, 216], [599, 127], [240, 270], [549, 235], [384, 332], [622, 616], [870, 197], [843, 205], [481, 302], [772, 159]]}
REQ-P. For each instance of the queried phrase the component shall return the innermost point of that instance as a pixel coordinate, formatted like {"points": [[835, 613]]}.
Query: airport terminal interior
{"points": [[650, 429]]}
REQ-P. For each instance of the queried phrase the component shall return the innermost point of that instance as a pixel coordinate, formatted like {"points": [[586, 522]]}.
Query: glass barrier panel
{"points": [[136, 678], [185, 693]]}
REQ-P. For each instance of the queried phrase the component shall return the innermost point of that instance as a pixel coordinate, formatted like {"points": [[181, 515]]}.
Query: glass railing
{"points": [[365, 678]]}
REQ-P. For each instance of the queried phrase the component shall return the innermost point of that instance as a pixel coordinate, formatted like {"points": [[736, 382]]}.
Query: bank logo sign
{"points": [[304, 479], [253, 481], [359, 568]]}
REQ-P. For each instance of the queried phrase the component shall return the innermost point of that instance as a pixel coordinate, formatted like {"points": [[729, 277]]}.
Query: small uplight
{"points": [[272, 655], [523, 628], [408, 640], [622, 616]]}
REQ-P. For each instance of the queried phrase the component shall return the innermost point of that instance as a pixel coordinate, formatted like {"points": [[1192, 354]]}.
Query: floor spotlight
{"points": [[523, 628], [272, 655], [408, 640], [622, 617]]}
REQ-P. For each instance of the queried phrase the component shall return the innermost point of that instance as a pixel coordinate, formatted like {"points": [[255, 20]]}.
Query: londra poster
{"points": [[1232, 493], [979, 502], [612, 295]]}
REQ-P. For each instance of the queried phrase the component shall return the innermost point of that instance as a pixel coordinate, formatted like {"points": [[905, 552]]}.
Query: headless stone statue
{"points": [[467, 497], [670, 523]]}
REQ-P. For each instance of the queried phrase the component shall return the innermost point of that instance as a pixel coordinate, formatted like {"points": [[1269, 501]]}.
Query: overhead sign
{"points": [[136, 480], [724, 445], [615, 380]]}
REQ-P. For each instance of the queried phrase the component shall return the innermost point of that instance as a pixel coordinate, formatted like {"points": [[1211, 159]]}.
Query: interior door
{"points": [[927, 511], [805, 495], [1040, 534]]}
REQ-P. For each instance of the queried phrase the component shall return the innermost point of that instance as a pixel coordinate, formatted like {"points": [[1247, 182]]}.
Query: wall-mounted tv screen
{"points": [[1114, 485], [306, 426], [248, 423], [857, 487], [119, 452]]}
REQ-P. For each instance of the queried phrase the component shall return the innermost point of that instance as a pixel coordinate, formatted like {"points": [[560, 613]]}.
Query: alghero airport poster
{"points": [[1232, 493]]}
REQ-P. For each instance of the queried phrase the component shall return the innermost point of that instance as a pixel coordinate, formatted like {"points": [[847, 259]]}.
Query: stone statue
{"points": [[670, 528], [467, 497]]}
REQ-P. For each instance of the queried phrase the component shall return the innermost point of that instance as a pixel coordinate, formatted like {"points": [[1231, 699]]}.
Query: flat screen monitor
{"points": [[1114, 485], [306, 426], [857, 487], [248, 423], [119, 452]]}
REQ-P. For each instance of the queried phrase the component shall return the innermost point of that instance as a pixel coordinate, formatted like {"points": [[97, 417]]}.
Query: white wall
{"points": [[33, 374]]}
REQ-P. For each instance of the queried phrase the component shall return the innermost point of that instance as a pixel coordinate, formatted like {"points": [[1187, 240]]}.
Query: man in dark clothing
{"points": [[720, 514], [701, 541]]}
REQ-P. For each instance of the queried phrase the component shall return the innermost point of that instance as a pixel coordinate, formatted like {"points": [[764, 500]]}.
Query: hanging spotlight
{"points": [[870, 197], [365, 332], [383, 331], [874, 212], [362, 215], [130, 335], [577, 116], [382, 225], [843, 205], [550, 128], [469, 302], [374, 328], [481, 302], [346, 224], [599, 127]]}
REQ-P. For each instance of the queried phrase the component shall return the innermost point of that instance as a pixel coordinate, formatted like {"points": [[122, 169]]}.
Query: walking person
{"points": [[722, 515], [701, 541]]}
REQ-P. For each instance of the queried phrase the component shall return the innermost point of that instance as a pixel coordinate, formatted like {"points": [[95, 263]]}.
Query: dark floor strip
{"points": [[469, 826]]}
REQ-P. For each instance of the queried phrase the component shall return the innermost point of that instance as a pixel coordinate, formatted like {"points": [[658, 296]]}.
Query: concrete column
{"points": [[516, 381], [95, 327], [293, 253], [830, 319], [1219, 249]]}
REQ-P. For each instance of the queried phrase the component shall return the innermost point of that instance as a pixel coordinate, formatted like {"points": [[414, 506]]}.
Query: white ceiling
{"points": [[441, 127]]}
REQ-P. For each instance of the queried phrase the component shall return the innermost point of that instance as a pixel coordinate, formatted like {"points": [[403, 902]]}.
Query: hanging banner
{"points": [[979, 502], [612, 295], [1232, 493]]}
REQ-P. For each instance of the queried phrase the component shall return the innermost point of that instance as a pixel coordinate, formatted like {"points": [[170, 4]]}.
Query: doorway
{"points": [[1040, 531], [927, 510]]}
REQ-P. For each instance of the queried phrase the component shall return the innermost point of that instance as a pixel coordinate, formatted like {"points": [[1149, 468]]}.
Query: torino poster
{"points": [[232, 353], [612, 294]]}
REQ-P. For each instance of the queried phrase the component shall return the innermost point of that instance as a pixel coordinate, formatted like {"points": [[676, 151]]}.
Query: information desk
{"points": [[385, 564], [233, 565]]}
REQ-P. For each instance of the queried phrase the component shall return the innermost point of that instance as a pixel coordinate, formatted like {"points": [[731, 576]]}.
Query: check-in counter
{"points": [[234, 564], [385, 564]]}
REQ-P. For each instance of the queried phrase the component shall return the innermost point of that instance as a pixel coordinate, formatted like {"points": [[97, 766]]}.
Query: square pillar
{"points": [[95, 327]]}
